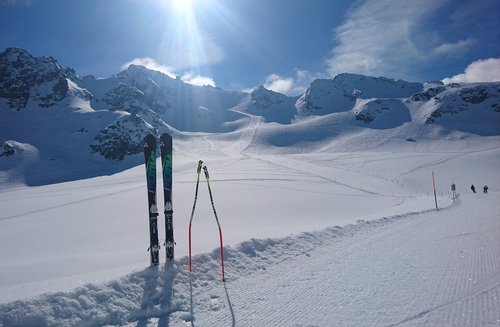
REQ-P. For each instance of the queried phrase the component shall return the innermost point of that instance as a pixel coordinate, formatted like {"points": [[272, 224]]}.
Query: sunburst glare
{"points": [[183, 6]]}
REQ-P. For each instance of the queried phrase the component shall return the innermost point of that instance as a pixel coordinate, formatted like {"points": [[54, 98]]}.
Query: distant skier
{"points": [[454, 191], [473, 188], [485, 189]]}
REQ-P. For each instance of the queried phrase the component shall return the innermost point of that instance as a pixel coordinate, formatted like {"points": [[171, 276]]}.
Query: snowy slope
{"points": [[265, 203], [272, 106], [339, 94], [328, 214]]}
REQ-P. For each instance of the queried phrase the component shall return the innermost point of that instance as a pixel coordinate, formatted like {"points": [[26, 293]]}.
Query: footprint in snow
{"points": [[215, 303]]}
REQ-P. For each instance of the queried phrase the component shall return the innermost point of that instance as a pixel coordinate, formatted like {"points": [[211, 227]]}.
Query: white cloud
{"points": [[386, 37], [151, 64], [197, 79], [188, 77], [453, 48], [248, 89], [486, 70], [17, 2], [290, 86], [278, 83]]}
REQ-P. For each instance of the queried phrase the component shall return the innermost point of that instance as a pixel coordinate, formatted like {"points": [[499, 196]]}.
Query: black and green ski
{"points": [[166, 162], [150, 162]]}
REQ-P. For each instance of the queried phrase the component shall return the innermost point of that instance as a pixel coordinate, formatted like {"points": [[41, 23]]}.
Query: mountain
{"points": [[162, 99], [57, 119], [340, 93], [472, 108], [272, 106], [34, 82], [58, 126]]}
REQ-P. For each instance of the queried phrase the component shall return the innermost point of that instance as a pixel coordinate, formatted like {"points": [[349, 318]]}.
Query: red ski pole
{"points": [[216, 219], [198, 171]]}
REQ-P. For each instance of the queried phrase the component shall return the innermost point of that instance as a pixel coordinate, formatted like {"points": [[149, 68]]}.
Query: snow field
{"points": [[418, 269], [305, 241]]}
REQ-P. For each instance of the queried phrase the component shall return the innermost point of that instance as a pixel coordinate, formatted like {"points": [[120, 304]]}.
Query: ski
{"points": [[150, 163], [166, 162]]}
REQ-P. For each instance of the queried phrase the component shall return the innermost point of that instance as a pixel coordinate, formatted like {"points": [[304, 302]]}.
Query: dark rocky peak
{"points": [[24, 77]]}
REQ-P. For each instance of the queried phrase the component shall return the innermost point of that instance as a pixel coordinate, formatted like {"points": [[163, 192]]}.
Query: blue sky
{"points": [[281, 44]]}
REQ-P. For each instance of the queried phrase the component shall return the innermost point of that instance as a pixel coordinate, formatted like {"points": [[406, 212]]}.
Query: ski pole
{"points": [[198, 171], [217, 219]]}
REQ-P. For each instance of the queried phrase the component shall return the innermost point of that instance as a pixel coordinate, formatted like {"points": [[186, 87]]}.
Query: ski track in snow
{"points": [[70, 203], [429, 268]]}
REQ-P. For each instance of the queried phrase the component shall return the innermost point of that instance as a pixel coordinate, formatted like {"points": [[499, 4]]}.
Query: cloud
{"points": [[17, 2], [188, 77], [391, 38], [278, 83], [151, 64], [486, 70], [456, 48], [197, 79], [290, 86], [248, 89]]}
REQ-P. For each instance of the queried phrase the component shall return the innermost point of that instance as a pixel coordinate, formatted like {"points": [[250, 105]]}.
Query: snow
{"points": [[327, 209], [323, 238]]}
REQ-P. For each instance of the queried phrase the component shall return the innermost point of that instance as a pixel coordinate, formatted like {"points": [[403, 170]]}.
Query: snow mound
{"points": [[14, 158], [381, 113]]}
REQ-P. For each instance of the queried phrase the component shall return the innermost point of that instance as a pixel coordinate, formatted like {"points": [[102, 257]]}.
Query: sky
{"points": [[281, 44]]}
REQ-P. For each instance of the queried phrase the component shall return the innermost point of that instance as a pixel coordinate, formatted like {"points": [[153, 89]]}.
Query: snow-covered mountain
{"points": [[472, 108], [272, 106], [340, 94], [34, 82], [74, 253], [57, 119]]}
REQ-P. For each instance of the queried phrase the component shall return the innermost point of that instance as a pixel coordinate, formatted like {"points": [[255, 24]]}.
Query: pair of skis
{"points": [[150, 155], [207, 178]]}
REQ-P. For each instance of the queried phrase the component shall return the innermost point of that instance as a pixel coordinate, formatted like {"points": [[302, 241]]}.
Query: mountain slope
{"points": [[340, 94], [83, 127], [415, 250]]}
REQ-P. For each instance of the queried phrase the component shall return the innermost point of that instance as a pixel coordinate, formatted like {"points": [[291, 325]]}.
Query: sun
{"points": [[183, 6]]}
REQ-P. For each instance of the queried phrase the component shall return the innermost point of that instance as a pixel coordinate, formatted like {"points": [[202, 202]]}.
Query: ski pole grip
{"points": [[198, 170], [206, 172]]}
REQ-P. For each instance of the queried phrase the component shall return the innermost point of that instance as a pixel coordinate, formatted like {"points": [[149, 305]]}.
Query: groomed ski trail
{"points": [[429, 268], [435, 268]]}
